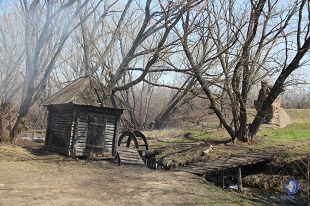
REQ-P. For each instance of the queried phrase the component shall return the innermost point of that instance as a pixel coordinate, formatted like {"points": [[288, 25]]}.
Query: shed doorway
{"points": [[95, 134]]}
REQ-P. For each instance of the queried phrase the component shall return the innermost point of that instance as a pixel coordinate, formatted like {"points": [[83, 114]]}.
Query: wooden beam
{"points": [[239, 178], [222, 180]]}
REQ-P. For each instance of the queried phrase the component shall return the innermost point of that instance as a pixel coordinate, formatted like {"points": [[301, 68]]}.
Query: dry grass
{"points": [[184, 145]]}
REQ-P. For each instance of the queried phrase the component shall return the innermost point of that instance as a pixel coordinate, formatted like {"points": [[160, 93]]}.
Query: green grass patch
{"points": [[294, 138], [288, 134], [296, 131]]}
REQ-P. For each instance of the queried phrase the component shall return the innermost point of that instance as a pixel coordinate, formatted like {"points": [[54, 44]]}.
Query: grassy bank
{"points": [[183, 146], [295, 137]]}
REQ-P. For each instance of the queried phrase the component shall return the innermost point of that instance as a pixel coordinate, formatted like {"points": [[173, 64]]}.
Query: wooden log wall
{"points": [[68, 127], [59, 133], [81, 133], [110, 135], [73, 133]]}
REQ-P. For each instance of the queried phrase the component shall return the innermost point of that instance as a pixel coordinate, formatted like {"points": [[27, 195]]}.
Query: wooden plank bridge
{"points": [[228, 163]]}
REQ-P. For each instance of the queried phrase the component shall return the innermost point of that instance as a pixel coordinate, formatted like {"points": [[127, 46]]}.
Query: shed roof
{"points": [[84, 91]]}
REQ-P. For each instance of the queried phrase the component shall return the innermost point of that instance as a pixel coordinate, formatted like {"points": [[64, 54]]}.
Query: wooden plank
{"points": [[129, 156], [239, 178], [110, 133], [109, 139], [228, 162], [82, 126], [108, 144], [107, 151], [94, 146], [132, 162], [127, 150]]}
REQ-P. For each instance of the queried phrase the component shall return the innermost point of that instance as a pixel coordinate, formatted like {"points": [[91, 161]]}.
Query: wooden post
{"points": [[1, 124], [222, 179], [239, 177], [2, 120]]}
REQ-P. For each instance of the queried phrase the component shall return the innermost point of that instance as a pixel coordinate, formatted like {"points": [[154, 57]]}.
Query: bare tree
{"points": [[181, 97], [226, 47], [11, 68], [230, 47], [200, 49], [42, 21], [124, 47], [302, 46]]}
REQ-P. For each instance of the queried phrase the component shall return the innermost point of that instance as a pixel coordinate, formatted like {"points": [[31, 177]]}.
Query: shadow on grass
{"points": [[38, 151], [41, 153]]}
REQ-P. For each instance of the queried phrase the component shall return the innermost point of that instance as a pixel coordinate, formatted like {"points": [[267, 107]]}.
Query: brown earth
{"points": [[31, 176]]}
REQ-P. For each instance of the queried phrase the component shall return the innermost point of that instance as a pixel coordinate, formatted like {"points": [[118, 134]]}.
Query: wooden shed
{"points": [[83, 119]]}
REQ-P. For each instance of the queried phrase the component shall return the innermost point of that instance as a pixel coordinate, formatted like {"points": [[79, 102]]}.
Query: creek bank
{"points": [[272, 176], [271, 189], [263, 187], [265, 181]]}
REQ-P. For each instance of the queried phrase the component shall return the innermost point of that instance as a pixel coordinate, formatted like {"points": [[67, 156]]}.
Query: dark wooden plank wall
{"points": [[59, 132], [81, 136]]}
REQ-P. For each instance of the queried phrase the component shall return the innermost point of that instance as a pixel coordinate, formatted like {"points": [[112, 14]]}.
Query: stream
{"points": [[271, 196]]}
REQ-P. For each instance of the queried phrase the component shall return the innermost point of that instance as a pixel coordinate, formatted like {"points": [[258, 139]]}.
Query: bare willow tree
{"points": [[232, 45], [302, 45], [182, 96], [11, 67], [163, 25], [47, 26], [124, 44]]}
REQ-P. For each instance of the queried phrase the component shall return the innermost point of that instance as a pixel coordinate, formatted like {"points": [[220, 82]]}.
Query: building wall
{"points": [[110, 134], [80, 133], [69, 125], [59, 131], [80, 141]]}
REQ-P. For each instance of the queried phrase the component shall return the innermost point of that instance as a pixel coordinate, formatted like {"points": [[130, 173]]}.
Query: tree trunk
{"points": [[26, 103], [28, 88], [242, 133], [37, 37], [1, 124], [277, 88], [164, 115], [175, 103]]}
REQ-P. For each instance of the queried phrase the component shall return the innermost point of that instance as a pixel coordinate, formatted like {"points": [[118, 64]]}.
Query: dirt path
{"points": [[26, 179]]}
